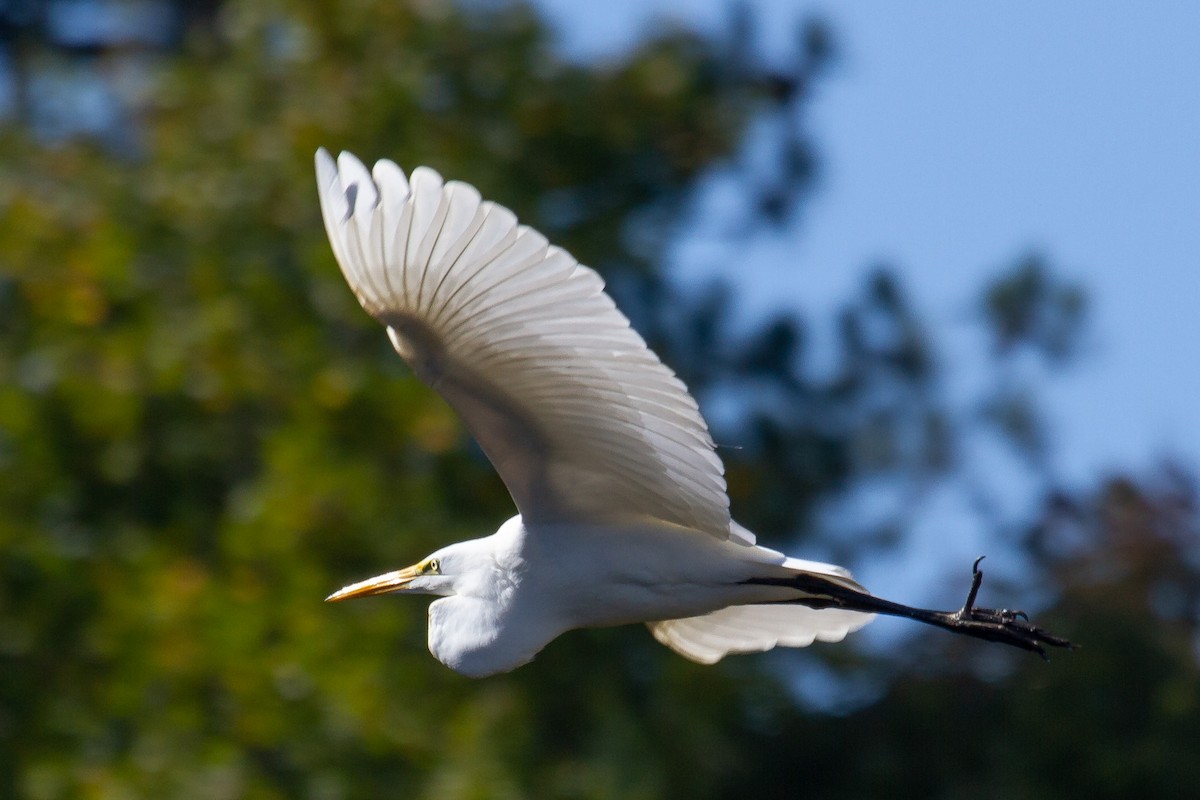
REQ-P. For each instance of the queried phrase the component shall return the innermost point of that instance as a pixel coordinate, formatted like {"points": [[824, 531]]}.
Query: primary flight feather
{"points": [[623, 514]]}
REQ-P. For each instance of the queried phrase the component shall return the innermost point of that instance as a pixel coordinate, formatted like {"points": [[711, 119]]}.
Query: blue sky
{"points": [[955, 138]]}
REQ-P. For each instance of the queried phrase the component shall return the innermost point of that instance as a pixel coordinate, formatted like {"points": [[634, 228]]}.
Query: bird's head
{"points": [[433, 575]]}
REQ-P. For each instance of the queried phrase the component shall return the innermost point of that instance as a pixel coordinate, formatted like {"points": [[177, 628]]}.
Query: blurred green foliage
{"points": [[201, 435]]}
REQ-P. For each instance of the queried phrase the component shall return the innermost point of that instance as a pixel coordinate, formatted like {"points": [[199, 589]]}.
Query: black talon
{"points": [[976, 582]]}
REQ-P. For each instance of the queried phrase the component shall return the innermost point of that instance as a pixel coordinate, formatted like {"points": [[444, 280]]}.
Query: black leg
{"points": [[995, 625]]}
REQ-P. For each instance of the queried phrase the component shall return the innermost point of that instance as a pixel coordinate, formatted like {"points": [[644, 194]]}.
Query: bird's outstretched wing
{"points": [[579, 417]]}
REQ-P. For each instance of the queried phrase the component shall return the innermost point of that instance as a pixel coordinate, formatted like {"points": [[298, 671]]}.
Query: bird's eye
{"points": [[433, 566]]}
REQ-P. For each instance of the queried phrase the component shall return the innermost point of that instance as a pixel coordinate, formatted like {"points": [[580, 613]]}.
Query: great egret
{"points": [[623, 515]]}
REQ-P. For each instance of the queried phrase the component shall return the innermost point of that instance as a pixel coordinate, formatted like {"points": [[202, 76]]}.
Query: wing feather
{"points": [[753, 629], [579, 417]]}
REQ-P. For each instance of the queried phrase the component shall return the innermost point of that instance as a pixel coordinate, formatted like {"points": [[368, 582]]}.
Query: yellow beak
{"points": [[381, 584]]}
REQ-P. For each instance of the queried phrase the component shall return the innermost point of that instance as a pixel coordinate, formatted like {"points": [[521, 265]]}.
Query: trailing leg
{"points": [[995, 625]]}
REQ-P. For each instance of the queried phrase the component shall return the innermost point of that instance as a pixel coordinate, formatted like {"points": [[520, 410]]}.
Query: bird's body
{"points": [[525, 585], [623, 511], [539, 581]]}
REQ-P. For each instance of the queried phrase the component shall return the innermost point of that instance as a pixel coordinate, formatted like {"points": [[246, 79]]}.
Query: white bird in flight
{"points": [[623, 514]]}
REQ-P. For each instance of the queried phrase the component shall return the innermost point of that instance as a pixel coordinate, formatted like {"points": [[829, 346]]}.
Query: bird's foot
{"points": [[999, 625]]}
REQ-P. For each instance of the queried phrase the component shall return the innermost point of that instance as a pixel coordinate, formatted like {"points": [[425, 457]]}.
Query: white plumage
{"points": [[580, 418], [752, 629], [623, 511]]}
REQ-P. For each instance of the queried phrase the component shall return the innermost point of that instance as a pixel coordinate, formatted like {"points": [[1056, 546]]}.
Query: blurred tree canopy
{"points": [[201, 435]]}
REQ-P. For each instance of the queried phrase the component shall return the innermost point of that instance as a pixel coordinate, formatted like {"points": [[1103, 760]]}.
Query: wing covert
{"points": [[579, 417]]}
